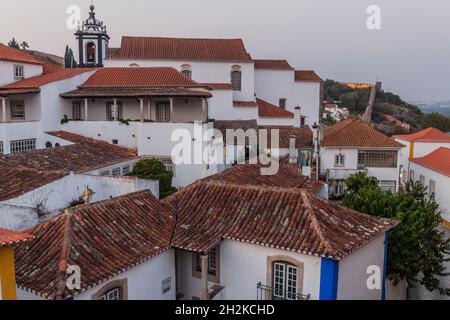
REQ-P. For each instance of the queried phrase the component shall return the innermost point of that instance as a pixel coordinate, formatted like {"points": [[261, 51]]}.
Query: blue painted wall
{"points": [[329, 276]]}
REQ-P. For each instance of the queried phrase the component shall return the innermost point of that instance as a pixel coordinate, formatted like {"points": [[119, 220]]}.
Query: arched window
{"points": [[48, 144], [236, 78], [90, 53], [285, 277], [186, 70], [134, 65]]}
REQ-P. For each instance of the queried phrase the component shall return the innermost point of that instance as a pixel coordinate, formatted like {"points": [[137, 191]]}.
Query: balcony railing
{"points": [[269, 293]]}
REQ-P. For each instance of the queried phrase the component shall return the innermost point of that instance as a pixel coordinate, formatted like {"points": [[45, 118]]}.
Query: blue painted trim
{"points": [[329, 276], [383, 288]]}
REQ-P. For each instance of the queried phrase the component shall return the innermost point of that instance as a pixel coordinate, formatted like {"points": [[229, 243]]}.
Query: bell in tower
{"points": [[93, 41]]}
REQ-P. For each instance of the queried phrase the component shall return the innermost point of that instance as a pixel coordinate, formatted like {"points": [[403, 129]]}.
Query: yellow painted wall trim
{"points": [[7, 273], [411, 150]]}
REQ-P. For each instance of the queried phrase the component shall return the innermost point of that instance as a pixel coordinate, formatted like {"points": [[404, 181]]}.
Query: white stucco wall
{"points": [[442, 191], [19, 213], [272, 85], [352, 283], [7, 71], [243, 266]]}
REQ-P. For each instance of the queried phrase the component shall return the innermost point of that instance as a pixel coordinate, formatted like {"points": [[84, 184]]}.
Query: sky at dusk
{"points": [[410, 54]]}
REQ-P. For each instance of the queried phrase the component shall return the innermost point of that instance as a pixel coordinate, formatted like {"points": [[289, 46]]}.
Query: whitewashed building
{"points": [[418, 145], [350, 146], [214, 256]]}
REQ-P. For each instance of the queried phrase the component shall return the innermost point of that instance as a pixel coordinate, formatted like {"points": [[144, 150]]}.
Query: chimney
{"points": [[293, 152], [298, 116]]}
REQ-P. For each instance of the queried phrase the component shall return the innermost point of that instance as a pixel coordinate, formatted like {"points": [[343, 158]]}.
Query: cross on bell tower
{"points": [[93, 41]]}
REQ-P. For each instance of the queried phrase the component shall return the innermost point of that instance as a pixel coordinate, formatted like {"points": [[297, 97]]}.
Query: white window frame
{"points": [[422, 180], [412, 175], [116, 172], [339, 160], [2, 150], [105, 173], [19, 72], [432, 187], [111, 295], [76, 110], [126, 169], [285, 280]]}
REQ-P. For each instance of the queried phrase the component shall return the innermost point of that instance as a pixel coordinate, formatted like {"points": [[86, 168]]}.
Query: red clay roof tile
{"points": [[273, 65], [307, 75], [438, 160], [9, 238], [104, 239], [426, 135], [354, 133], [154, 48], [268, 110], [11, 54]]}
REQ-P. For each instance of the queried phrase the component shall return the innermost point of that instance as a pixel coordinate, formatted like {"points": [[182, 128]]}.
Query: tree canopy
{"points": [[155, 169], [417, 249], [438, 121]]}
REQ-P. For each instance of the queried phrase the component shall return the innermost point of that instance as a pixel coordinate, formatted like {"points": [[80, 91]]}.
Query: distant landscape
{"points": [[442, 107]]}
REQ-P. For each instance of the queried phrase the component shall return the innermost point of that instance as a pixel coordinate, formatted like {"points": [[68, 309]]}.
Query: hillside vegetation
{"points": [[386, 103]]}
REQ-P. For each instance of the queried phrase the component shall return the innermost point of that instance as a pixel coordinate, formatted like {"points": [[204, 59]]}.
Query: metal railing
{"points": [[269, 293]]}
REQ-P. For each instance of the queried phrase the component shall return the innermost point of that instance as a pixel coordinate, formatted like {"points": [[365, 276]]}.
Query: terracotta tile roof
{"points": [[10, 54], [307, 75], [304, 136], [135, 92], [50, 62], [10, 238], [427, 135], [355, 133], [273, 65], [152, 77], [331, 106], [218, 86], [157, 48], [244, 104], [269, 110], [26, 171], [39, 81], [224, 125], [286, 219], [104, 239], [288, 176], [438, 160]]}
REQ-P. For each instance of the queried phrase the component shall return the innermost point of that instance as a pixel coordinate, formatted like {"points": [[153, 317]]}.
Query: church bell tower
{"points": [[93, 41]]}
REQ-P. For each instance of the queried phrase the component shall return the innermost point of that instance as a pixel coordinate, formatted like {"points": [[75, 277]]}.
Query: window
{"points": [[116, 172], [339, 160], [17, 110], [2, 151], [422, 180], [111, 113], [163, 110], [186, 70], [285, 277], [432, 188], [377, 159], [113, 294], [126, 170], [114, 290], [388, 185], [302, 121], [411, 175], [19, 72], [76, 111], [90, 53], [166, 284], [340, 189], [22, 145], [115, 141], [282, 103], [104, 173], [213, 265], [236, 78], [48, 144]]}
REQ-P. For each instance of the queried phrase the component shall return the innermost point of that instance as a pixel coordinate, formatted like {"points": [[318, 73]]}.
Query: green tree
{"points": [[24, 45], [417, 249], [14, 44], [155, 169], [69, 60], [438, 121]]}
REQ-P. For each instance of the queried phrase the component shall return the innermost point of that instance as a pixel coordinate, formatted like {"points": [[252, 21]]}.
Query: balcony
{"points": [[342, 174], [269, 293]]}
